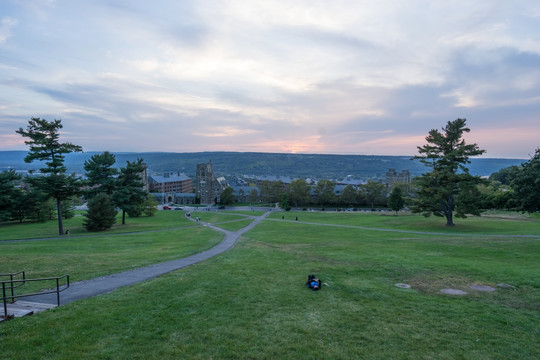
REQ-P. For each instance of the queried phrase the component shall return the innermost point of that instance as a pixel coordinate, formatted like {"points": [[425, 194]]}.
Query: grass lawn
{"points": [[162, 220], [251, 302], [499, 223]]}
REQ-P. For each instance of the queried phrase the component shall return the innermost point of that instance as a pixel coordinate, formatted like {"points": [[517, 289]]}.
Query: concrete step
{"points": [[22, 308]]}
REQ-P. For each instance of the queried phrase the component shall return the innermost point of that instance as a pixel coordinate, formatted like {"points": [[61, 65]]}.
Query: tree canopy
{"points": [[45, 146], [448, 186], [299, 193], [526, 184], [101, 214], [101, 175], [131, 195], [227, 196], [396, 201]]}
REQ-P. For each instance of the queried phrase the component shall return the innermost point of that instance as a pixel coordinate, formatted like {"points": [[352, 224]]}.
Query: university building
{"points": [[207, 188], [392, 177], [171, 188]]}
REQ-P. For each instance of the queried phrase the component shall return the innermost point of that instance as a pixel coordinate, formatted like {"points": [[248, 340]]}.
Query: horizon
{"points": [[261, 152], [344, 77]]}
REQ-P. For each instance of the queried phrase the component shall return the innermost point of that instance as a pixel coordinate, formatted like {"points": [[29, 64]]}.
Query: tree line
{"points": [[447, 189], [106, 188]]}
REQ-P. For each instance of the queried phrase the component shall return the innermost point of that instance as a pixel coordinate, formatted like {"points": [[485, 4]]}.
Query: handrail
{"points": [[11, 275], [58, 289]]}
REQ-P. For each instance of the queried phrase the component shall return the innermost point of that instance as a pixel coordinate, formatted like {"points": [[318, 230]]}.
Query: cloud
{"points": [[6, 25], [304, 76]]}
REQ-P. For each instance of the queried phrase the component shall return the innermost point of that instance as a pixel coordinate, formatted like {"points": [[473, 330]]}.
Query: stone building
{"points": [[203, 182], [392, 177]]}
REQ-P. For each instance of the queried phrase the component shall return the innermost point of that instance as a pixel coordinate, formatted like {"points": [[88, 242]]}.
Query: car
{"points": [[178, 208], [166, 207]]}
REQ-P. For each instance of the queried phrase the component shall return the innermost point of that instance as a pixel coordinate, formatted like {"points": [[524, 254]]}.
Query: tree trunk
{"points": [[123, 217], [59, 211], [449, 211]]}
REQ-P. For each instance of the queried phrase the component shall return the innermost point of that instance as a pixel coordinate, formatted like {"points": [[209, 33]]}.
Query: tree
{"points": [[227, 196], [253, 196], [374, 193], [284, 203], [45, 146], [526, 184], [396, 201], [299, 193], [349, 196], [150, 206], [271, 191], [8, 195], [505, 175], [325, 192], [443, 190], [130, 194], [101, 214], [101, 175]]}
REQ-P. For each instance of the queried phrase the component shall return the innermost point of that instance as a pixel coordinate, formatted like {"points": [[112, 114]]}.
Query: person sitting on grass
{"points": [[313, 283]]}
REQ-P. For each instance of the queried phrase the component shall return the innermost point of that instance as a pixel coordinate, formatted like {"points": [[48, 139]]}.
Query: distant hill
{"points": [[315, 166]]}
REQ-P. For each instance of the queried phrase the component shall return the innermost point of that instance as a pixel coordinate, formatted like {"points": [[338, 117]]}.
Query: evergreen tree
{"points": [[101, 175], [448, 187], [526, 184], [130, 194], [396, 201], [45, 146], [284, 203], [101, 214], [8, 195]]}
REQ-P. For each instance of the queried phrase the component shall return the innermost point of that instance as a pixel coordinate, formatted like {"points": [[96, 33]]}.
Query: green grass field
{"points": [[251, 302]]}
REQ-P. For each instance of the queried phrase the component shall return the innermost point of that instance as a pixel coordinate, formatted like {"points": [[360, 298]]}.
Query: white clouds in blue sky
{"points": [[347, 77]]}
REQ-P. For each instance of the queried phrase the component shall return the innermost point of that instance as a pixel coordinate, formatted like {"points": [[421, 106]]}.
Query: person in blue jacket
{"points": [[313, 283]]}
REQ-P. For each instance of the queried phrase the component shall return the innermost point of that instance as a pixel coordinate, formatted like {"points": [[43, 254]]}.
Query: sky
{"points": [[304, 76]]}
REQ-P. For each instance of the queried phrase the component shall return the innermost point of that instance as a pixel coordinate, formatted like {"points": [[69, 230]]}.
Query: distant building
{"points": [[203, 182], [392, 177], [207, 188], [170, 182], [174, 198], [171, 188]]}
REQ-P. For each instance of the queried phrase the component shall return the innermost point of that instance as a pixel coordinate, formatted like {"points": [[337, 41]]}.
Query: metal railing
{"points": [[11, 276], [12, 284]]}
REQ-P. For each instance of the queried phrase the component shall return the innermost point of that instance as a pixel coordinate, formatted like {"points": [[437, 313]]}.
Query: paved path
{"points": [[88, 288], [101, 285]]}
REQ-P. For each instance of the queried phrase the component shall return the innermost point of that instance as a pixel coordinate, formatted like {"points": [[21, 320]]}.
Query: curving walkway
{"points": [[101, 285], [105, 284]]}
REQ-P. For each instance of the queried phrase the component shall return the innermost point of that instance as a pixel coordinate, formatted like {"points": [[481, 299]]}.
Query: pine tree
{"points": [[526, 184], [448, 187], [130, 194], [396, 201], [101, 175], [45, 146], [101, 214]]}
